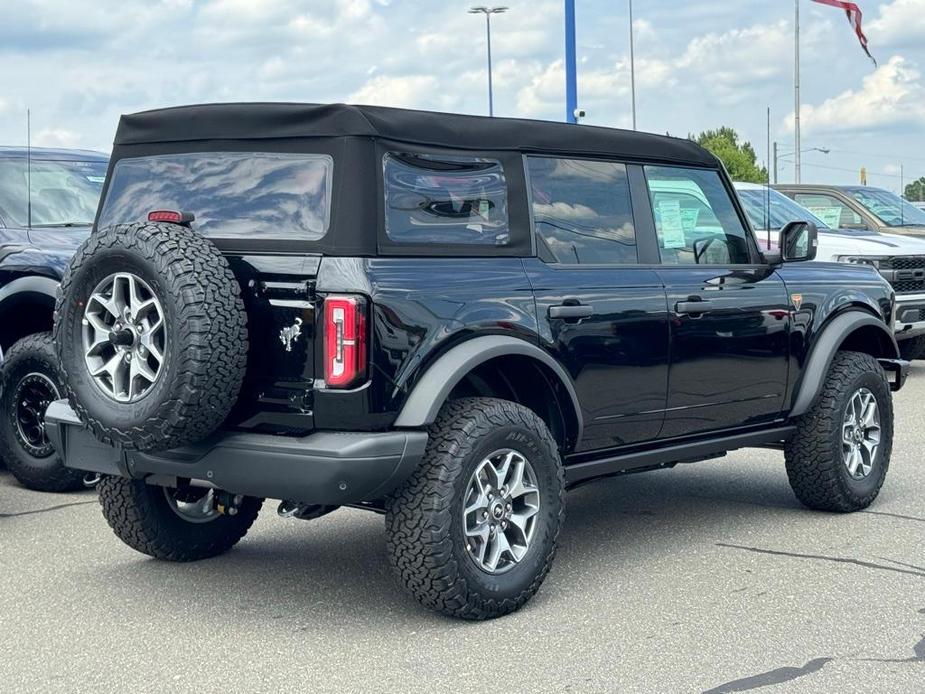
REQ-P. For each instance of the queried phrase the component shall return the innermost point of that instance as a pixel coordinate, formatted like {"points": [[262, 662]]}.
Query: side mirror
{"points": [[799, 242]]}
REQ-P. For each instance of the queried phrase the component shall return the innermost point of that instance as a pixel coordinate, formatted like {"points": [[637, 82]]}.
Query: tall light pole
{"points": [[488, 12], [632, 66], [796, 92]]}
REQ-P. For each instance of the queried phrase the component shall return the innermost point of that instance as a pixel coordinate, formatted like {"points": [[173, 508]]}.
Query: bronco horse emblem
{"points": [[290, 334]]}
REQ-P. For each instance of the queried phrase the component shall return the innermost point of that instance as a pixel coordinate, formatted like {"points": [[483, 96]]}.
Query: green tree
{"points": [[915, 191], [740, 158]]}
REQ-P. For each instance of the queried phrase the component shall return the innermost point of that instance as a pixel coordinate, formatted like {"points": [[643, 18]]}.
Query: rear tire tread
{"points": [[135, 517], [419, 521]]}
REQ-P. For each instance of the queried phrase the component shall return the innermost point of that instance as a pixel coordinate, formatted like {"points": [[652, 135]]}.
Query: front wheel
{"points": [[185, 524], [839, 457], [473, 532]]}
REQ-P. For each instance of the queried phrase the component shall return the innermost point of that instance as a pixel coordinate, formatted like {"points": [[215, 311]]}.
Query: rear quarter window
{"points": [[231, 194], [447, 200]]}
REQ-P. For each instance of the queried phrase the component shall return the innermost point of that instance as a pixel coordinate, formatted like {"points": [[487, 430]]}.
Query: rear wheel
{"points": [[185, 524], [473, 532], [32, 381], [839, 457]]}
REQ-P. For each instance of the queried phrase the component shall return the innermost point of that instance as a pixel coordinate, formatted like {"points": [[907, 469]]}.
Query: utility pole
{"points": [[632, 65], [488, 12], [796, 92], [571, 86]]}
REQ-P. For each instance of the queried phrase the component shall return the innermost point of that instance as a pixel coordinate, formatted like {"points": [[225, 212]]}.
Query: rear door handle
{"points": [[693, 307], [571, 311]]}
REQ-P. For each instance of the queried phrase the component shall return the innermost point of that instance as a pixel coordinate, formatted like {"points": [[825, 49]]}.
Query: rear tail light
{"points": [[344, 341]]}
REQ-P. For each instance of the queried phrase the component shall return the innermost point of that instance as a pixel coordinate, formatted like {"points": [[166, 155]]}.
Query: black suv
{"points": [[448, 319], [48, 199]]}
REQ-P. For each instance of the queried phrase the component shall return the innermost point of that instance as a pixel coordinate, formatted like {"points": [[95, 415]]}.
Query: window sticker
{"points": [[831, 216], [96, 179], [689, 217], [672, 224]]}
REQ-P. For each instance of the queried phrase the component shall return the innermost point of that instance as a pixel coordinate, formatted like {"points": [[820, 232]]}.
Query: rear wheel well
{"points": [[23, 315], [527, 382]]}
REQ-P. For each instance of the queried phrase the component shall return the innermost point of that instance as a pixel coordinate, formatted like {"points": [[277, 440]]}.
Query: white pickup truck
{"points": [[900, 259]]}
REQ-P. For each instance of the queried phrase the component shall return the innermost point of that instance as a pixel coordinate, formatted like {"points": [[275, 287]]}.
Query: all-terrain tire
{"points": [[913, 348], [205, 350], [140, 516], [815, 458], [30, 372], [424, 518]]}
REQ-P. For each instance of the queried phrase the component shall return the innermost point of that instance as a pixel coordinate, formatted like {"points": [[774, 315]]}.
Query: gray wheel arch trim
{"points": [[34, 284], [435, 386], [827, 344]]}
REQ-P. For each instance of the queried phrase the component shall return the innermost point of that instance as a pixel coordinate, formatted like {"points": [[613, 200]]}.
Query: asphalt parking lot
{"points": [[708, 577]]}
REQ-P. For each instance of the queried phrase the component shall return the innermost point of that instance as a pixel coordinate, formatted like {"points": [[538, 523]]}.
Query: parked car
{"points": [[448, 319], [920, 205], [862, 208], [900, 259], [48, 198]]}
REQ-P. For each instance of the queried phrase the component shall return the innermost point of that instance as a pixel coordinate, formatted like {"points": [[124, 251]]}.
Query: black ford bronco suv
{"points": [[448, 319]]}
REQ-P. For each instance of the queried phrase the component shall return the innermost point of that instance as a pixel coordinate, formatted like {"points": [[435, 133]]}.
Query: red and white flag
{"points": [[854, 18]]}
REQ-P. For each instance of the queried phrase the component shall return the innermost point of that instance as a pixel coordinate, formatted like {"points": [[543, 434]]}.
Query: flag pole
{"points": [[796, 92]]}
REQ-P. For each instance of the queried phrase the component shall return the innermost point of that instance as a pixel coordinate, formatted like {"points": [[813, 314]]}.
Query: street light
{"points": [[488, 12], [785, 155]]}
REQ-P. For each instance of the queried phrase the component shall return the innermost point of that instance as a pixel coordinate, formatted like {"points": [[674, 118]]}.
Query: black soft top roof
{"points": [[256, 121]]}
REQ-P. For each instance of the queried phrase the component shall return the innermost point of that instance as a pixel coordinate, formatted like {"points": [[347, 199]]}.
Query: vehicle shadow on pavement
{"points": [[335, 570]]}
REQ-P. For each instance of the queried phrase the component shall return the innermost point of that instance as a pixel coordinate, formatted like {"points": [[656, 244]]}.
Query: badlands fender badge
{"points": [[797, 300]]}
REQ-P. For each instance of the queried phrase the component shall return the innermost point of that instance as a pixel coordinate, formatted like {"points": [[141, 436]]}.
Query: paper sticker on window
{"points": [[831, 216], [689, 217], [671, 224], [96, 179]]}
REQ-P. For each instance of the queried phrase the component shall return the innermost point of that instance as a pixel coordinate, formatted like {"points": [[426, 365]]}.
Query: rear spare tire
{"points": [[151, 335]]}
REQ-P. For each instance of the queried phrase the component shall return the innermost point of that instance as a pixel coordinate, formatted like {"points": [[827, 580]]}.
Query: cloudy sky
{"points": [[78, 64]]}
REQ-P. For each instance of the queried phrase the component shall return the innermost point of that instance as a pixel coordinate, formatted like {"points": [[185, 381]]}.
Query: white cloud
{"points": [[900, 23], [410, 91], [892, 95], [56, 137]]}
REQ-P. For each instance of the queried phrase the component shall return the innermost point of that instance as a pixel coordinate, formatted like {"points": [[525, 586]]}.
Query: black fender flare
{"points": [[428, 396], [827, 344]]}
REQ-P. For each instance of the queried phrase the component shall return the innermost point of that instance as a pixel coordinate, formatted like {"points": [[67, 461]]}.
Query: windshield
{"points": [[63, 192], [889, 207], [783, 210]]}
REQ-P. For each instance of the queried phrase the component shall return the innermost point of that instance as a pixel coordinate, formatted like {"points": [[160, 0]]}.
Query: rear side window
{"points": [[582, 210], [449, 200], [695, 218], [232, 194]]}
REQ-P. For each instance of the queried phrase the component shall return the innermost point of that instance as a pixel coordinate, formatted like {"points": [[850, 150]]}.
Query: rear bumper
{"points": [[329, 468]]}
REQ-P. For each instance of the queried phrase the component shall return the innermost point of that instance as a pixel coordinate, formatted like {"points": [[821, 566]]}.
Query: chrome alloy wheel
{"points": [[124, 337], [861, 434], [193, 504], [34, 393], [499, 511]]}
